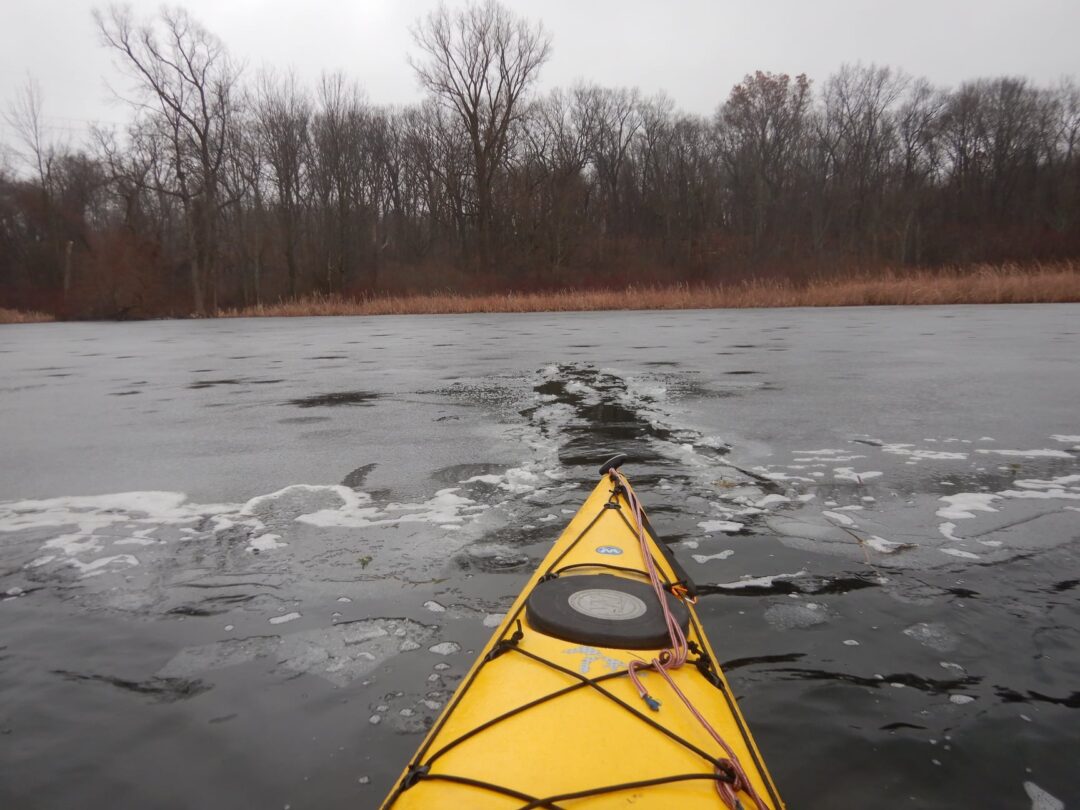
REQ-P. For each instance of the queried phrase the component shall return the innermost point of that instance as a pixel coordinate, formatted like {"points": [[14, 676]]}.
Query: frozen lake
{"points": [[244, 562]]}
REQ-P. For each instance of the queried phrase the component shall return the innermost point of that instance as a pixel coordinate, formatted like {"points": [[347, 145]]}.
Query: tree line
{"points": [[229, 189]]}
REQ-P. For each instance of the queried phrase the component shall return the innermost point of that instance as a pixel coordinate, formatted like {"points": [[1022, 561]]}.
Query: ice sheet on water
{"points": [[341, 653]]}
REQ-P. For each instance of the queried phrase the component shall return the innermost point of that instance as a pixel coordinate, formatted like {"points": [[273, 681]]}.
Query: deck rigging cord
{"points": [[674, 657]]}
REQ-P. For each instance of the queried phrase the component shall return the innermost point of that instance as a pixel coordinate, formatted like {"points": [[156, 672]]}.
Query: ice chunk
{"points": [[445, 648]]}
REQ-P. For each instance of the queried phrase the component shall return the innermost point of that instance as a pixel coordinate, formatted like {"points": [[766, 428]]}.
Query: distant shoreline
{"points": [[986, 284]]}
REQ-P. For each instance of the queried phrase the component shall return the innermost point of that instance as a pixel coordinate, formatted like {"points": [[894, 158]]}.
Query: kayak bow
{"points": [[582, 700]]}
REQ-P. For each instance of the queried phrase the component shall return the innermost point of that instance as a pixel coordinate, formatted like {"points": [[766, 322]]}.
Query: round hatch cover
{"points": [[603, 610], [604, 603]]}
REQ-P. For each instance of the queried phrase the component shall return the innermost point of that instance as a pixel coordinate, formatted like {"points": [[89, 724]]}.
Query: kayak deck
{"points": [[542, 721]]}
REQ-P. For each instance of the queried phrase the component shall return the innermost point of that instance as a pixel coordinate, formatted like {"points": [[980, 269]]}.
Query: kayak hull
{"points": [[544, 721]]}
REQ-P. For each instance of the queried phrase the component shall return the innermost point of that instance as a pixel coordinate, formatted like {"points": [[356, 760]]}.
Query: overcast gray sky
{"points": [[694, 49]]}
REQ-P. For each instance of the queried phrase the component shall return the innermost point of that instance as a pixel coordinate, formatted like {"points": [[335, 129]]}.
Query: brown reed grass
{"points": [[20, 316], [983, 284]]}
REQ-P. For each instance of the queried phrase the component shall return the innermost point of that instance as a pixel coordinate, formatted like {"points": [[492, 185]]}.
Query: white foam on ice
{"points": [[779, 476], [1049, 483], [1044, 494], [758, 582], [947, 530], [96, 567], [838, 518], [445, 507], [911, 451], [956, 552], [880, 544], [963, 505], [849, 474], [709, 526], [770, 500], [1043, 453], [265, 542], [704, 558], [1041, 799]]}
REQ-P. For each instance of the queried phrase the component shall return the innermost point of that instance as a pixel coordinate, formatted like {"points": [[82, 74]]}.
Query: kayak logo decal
{"points": [[591, 654], [612, 550]]}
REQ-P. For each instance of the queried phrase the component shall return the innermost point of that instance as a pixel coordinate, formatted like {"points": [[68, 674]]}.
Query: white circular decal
{"points": [[601, 603]]}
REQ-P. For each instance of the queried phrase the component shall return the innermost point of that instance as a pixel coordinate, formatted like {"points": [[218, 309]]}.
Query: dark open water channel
{"points": [[243, 563]]}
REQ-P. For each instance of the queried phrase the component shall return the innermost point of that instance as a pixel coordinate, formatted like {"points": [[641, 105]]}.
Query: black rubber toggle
{"points": [[414, 775], [603, 610], [613, 463], [505, 644]]}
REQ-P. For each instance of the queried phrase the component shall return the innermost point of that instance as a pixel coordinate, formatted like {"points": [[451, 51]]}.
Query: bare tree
{"points": [[284, 120], [762, 126], [183, 77], [480, 61], [24, 116]]}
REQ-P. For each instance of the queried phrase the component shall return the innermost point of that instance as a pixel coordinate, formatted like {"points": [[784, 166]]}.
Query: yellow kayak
{"points": [[579, 699]]}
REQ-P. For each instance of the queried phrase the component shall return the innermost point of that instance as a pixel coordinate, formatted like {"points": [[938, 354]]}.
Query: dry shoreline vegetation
{"points": [[20, 316], [984, 284], [1008, 284]]}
